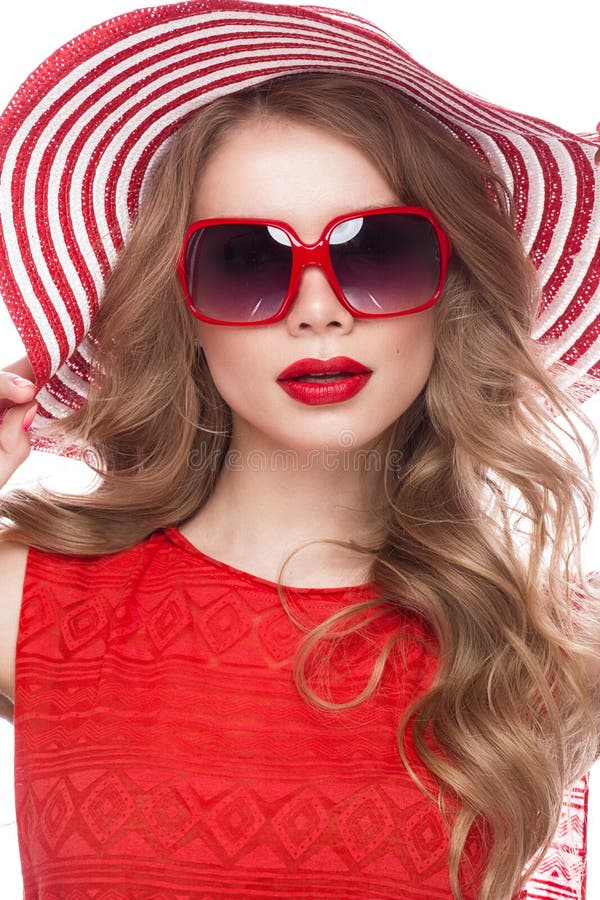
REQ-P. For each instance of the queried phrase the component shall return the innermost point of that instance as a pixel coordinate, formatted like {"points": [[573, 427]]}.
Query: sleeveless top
{"points": [[163, 751]]}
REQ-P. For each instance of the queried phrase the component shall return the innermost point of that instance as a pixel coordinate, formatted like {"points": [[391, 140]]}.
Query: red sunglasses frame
{"points": [[317, 254]]}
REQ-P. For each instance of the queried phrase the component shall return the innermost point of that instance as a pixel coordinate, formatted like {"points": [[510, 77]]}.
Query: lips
{"points": [[347, 377], [338, 364]]}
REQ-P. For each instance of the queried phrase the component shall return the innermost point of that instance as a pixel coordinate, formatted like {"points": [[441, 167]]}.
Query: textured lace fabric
{"points": [[162, 749]]}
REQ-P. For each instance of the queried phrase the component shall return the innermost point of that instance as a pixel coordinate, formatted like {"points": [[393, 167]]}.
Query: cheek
{"points": [[234, 364], [414, 345], [218, 357]]}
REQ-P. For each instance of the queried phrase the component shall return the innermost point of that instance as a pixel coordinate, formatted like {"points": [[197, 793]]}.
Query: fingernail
{"points": [[21, 382], [29, 417]]}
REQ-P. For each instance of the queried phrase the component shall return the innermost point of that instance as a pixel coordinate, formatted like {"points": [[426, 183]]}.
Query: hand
{"points": [[16, 409]]}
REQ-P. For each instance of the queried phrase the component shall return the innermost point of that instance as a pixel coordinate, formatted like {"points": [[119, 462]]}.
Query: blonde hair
{"points": [[479, 451]]}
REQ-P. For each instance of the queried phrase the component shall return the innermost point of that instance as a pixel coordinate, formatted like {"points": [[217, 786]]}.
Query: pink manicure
{"points": [[29, 417]]}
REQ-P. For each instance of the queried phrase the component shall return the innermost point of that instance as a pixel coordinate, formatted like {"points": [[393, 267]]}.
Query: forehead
{"points": [[291, 171]]}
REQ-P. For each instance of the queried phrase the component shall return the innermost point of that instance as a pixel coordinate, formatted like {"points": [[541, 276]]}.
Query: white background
{"points": [[530, 56]]}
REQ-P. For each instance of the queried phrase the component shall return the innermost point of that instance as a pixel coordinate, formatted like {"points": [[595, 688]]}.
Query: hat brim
{"points": [[81, 134]]}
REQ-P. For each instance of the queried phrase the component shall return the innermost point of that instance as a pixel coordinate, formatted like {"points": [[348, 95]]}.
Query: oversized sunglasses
{"points": [[379, 262]]}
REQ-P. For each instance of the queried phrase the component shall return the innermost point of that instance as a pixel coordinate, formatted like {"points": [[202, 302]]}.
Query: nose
{"points": [[316, 305]]}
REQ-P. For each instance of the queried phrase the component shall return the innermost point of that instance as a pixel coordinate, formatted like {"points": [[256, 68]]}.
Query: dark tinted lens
{"points": [[386, 263], [238, 272]]}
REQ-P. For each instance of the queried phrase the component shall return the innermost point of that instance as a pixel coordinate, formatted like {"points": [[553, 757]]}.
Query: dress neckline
{"points": [[177, 537]]}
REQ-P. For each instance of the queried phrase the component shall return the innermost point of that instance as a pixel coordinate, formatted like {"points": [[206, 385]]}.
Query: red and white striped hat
{"points": [[80, 134]]}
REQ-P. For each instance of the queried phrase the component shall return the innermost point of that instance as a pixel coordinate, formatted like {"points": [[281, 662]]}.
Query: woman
{"points": [[365, 418]]}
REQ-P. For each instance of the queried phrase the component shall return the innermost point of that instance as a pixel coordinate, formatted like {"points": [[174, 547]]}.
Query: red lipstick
{"points": [[348, 377]]}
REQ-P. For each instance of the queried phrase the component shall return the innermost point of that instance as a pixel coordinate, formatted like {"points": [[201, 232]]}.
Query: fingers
{"points": [[17, 399], [14, 442], [14, 393], [14, 389]]}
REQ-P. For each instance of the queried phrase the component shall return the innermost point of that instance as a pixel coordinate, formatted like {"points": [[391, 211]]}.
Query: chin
{"points": [[342, 439]]}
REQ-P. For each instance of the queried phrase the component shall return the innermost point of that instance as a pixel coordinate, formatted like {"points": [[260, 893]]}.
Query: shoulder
{"points": [[45, 586], [71, 574], [13, 563]]}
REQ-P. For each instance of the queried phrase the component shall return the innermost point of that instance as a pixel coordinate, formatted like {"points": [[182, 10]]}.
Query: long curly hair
{"points": [[481, 525]]}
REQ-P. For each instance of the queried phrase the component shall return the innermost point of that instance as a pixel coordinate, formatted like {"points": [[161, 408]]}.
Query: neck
{"points": [[270, 500]]}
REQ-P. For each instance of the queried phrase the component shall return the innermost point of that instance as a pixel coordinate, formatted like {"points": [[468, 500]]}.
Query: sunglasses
{"points": [[379, 263]]}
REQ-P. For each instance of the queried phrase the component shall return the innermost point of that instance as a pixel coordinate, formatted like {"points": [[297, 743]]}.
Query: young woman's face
{"points": [[305, 177]]}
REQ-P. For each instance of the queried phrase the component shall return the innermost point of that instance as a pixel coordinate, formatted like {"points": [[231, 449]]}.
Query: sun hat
{"points": [[83, 131]]}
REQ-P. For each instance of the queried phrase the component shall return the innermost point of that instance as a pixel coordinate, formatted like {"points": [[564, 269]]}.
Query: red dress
{"points": [[162, 749]]}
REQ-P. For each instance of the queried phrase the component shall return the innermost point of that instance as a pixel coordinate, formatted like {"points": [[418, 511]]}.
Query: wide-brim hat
{"points": [[80, 135]]}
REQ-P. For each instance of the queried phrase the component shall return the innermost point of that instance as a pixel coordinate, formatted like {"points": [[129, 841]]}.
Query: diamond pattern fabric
{"points": [[163, 752]]}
